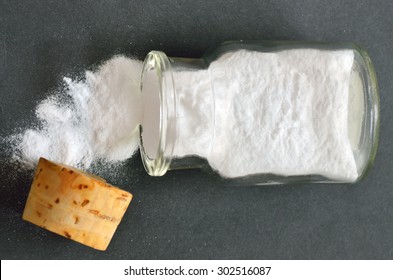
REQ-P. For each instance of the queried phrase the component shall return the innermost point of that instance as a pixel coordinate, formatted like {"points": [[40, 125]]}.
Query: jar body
{"points": [[262, 112]]}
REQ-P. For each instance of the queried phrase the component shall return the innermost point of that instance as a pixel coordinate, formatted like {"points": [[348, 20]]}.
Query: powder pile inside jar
{"points": [[283, 113]]}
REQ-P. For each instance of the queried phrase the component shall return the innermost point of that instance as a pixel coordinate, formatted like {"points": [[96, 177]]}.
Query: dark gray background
{"points": [[185, 214]]}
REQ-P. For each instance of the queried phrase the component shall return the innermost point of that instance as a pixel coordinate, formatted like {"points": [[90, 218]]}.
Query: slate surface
{"points": [[185, 215]]}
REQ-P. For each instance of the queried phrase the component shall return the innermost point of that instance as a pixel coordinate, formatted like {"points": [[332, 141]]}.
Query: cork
{"points": [[77, 205]]}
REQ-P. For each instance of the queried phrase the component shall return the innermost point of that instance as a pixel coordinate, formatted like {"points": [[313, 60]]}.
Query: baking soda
{"points": [[91, 120], [284, 113]]}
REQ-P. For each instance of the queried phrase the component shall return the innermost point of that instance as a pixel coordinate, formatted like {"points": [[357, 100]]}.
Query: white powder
{"points": [[284, 113], [195, 113], [91, 120]]}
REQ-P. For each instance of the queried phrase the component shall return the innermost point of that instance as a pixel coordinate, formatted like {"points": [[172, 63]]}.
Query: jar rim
{"points": [[158, 63]]}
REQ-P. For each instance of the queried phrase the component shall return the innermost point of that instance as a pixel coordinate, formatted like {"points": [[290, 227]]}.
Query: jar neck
{"points": [[194, 111], [178, 118]]}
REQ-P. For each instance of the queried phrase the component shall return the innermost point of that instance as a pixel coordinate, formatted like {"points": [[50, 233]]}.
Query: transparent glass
{"points": [[175, 135]]}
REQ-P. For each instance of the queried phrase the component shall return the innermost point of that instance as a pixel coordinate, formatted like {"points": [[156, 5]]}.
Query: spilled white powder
{"points": [[91, 120], [284, 113]]}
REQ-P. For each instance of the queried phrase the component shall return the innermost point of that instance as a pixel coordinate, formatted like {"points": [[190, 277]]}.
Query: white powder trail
{"points": [[91, 120]]}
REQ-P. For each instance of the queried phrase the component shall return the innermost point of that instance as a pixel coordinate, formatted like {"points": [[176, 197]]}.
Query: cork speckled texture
{"points": [[74, 204], [186, 214]]}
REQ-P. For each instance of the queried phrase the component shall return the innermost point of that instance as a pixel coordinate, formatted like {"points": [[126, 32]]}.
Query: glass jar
{"points": [[257, 113]]}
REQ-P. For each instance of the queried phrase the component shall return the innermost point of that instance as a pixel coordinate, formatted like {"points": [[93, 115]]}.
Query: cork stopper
{"points": [[77, 205]]}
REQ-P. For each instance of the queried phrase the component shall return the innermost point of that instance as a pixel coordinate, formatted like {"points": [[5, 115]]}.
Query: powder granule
{"points": [[91, 120]]}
